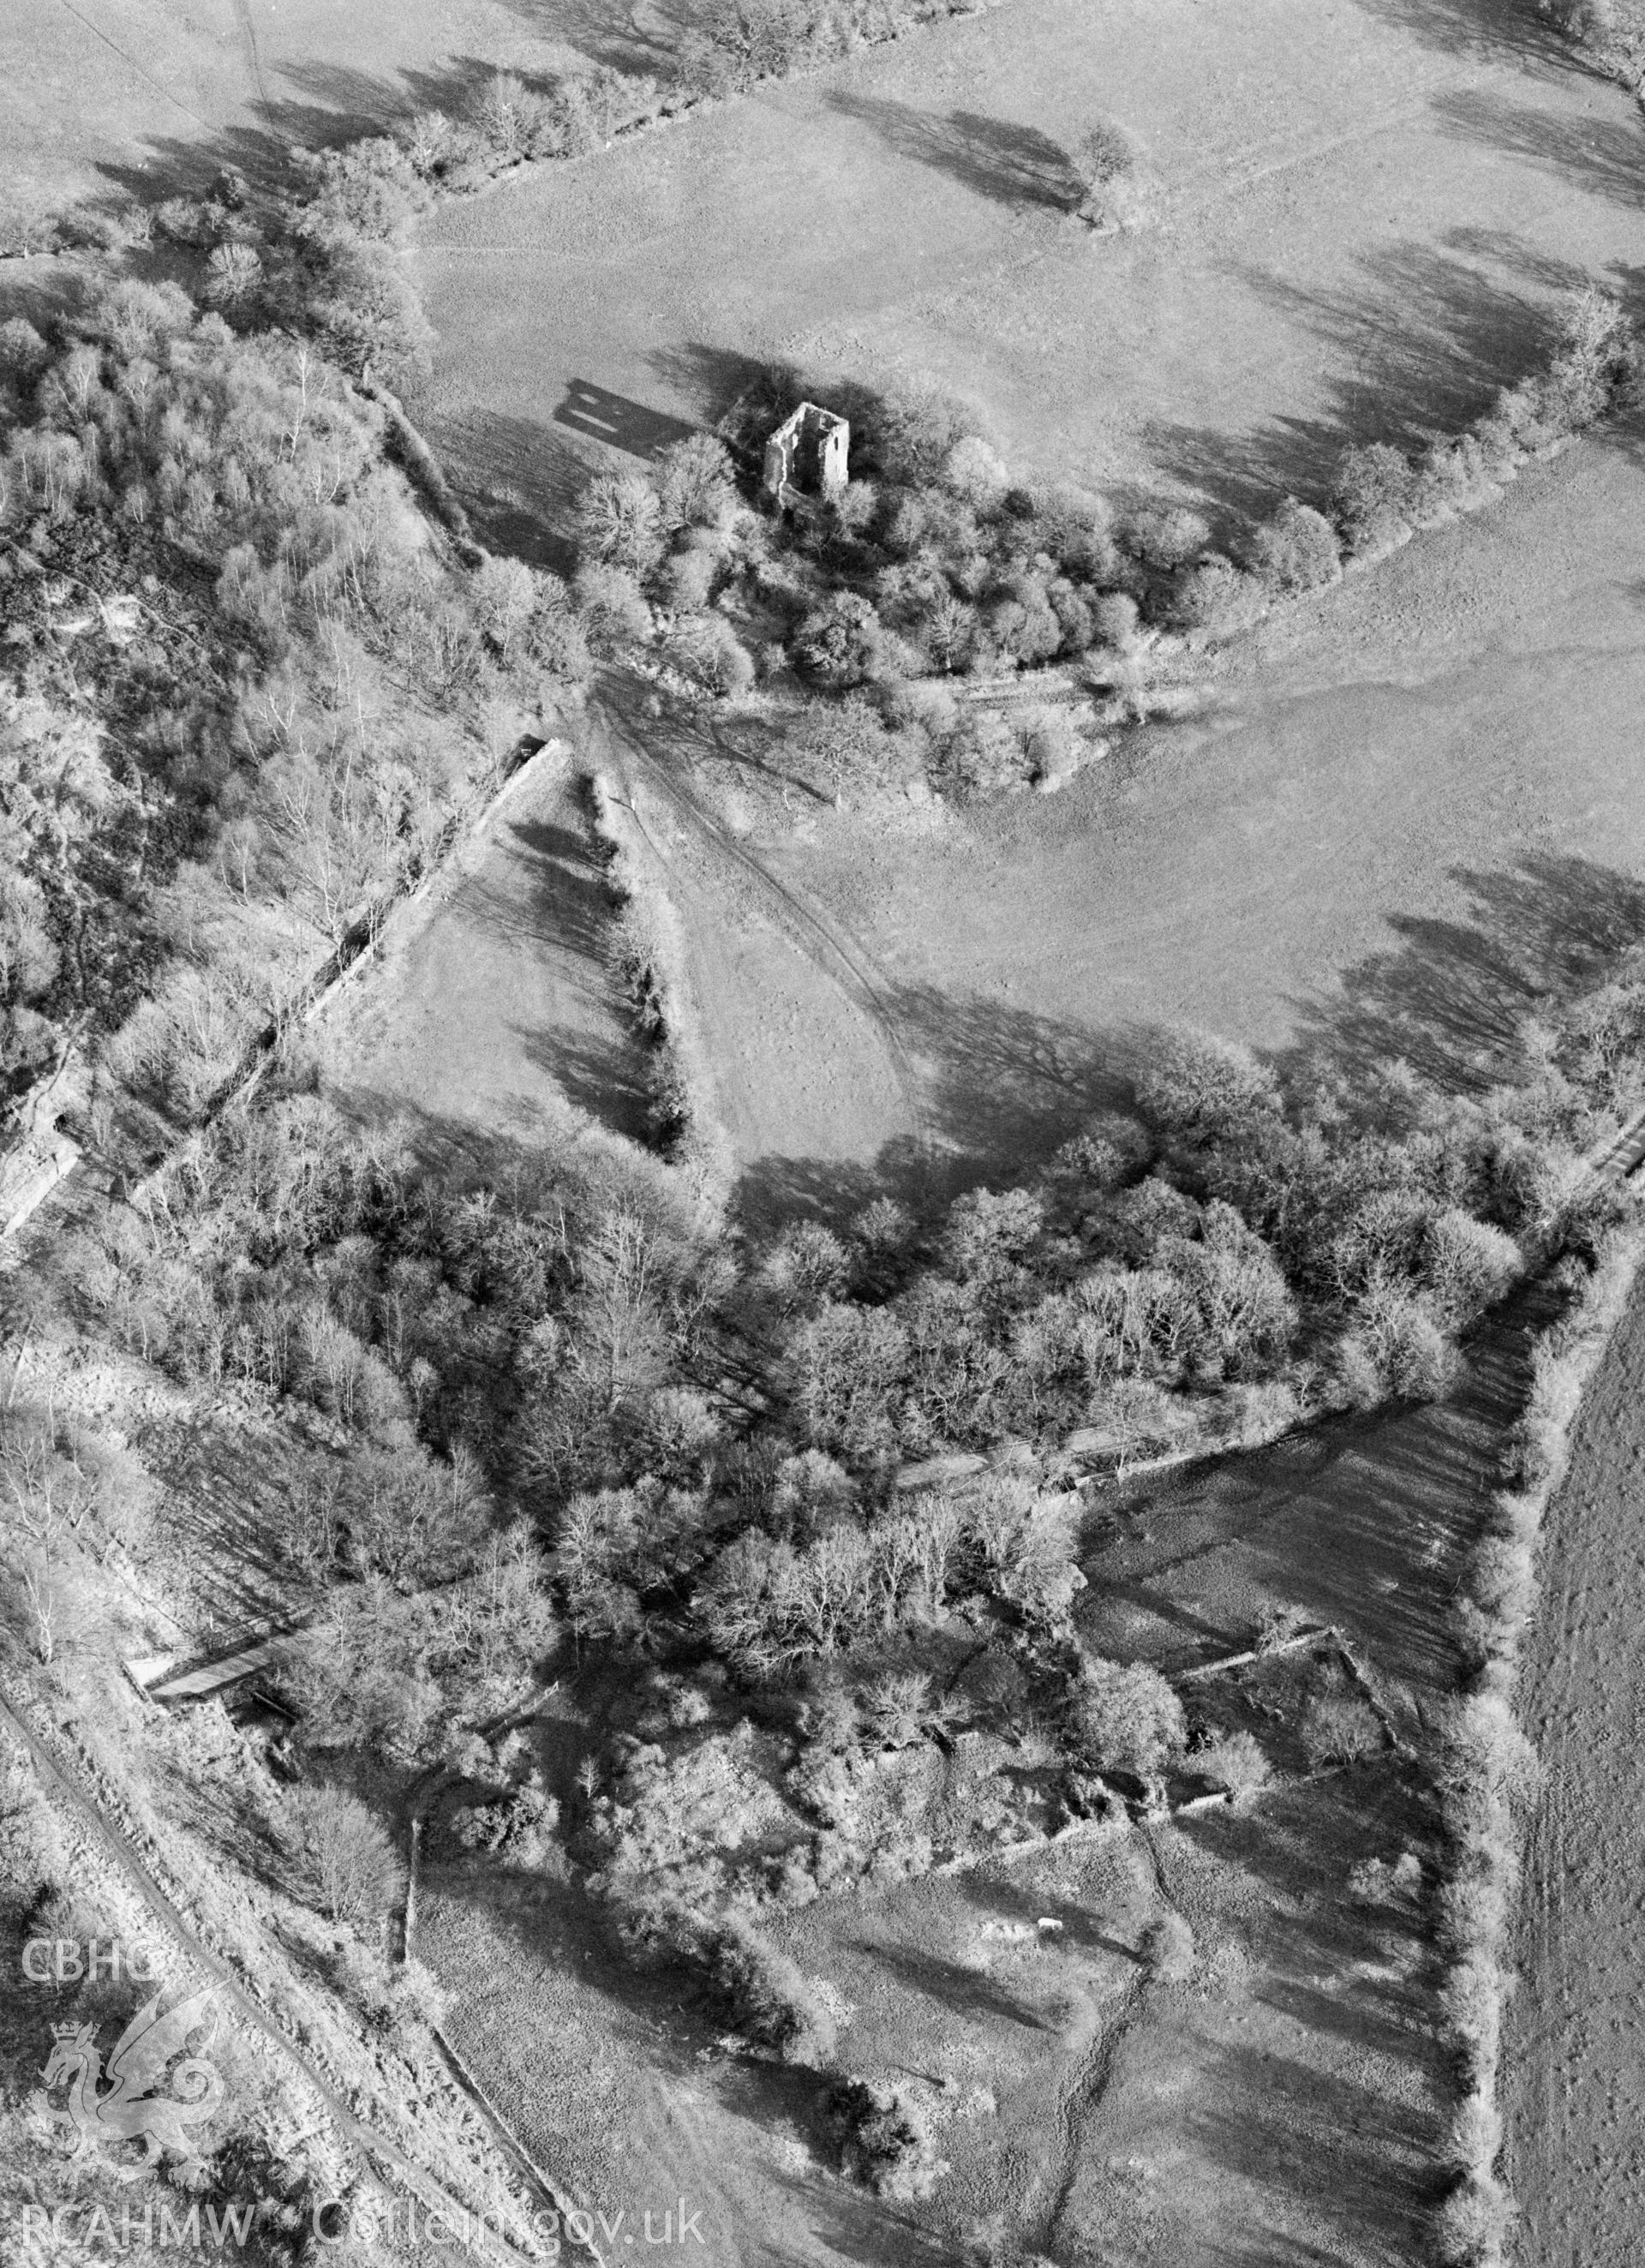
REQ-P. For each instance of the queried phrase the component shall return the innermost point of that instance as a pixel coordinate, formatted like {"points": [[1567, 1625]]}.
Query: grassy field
{"points": [[141, 95], [1356, 221], [495, 1006]]}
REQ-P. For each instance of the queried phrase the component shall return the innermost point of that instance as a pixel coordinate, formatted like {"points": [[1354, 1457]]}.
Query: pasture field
{"points": [[1355, 222], [142, 95], [495, 1013]]}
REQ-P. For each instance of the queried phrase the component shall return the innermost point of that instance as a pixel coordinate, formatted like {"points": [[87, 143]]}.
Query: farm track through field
{"points": [[844, 961], [132, 63], [60, 1781], [248, 40], [1084, 2086], [1079, 2098], [1231, 171]]}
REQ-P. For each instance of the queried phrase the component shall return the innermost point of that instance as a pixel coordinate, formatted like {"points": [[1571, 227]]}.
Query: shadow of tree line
{"points": [[1002, 1086], [1422, 346]]}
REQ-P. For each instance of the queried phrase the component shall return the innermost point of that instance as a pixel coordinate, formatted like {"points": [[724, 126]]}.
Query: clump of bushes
{"points": [[885, 2138], [1234, 1761], [763, 1990], [1128, 1717], [348, 1864], [1340, 1729], [519, 1827], [770, 1998]]}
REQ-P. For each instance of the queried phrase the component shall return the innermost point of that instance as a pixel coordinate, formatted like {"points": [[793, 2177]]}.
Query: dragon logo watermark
{"points": [[151, 2056]]}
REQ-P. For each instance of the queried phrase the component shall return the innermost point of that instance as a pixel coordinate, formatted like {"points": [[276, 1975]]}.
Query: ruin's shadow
{"points": [[635, 428]]}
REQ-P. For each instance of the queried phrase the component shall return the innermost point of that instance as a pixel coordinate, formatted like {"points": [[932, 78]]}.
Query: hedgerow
{"points": [[1491, 1766]]}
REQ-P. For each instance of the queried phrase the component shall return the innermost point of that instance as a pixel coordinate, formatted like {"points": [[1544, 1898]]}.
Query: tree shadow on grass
{"points": [[1356, 1976], [1362, 2164], [1422, 348], [1452, 997], [998, 1090], [331, 104], [1605, 157], [739, 396], [615, 37], [1009, 164], [540, 884], [44, 291], [1000, 1087], [1005, 1085], [967, 1992], [1483, 30], [519, 480]]}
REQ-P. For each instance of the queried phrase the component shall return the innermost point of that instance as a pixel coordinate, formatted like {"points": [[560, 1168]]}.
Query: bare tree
{"points": [[350, 1865]]}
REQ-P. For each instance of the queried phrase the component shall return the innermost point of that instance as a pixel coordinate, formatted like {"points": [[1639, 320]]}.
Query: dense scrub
{"points": [[570, 1402], [245, 687]]}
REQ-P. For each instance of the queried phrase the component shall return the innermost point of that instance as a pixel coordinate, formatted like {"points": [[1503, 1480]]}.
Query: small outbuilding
{"points": [[806, 458]]}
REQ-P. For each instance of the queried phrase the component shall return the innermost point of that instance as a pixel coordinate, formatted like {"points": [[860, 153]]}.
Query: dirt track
{"points": [[1573, 2047], [799, 1034], [61, 1787]]}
